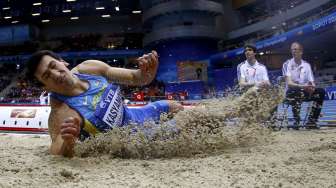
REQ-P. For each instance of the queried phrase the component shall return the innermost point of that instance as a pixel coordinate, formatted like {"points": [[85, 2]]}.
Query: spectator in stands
{"points": [[83, 100], [301, 86], [251, 73]]}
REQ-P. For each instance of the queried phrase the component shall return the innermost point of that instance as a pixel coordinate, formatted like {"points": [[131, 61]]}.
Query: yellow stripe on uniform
{"points": [[88, 127], [97, 97]]}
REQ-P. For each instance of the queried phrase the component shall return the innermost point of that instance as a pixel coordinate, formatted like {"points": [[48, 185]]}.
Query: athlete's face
{"points": [[54, 74], [297, 51], [249, 53]]}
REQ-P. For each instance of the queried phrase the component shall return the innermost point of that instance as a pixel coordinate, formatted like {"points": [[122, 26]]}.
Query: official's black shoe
{"points": [[311, 125], [296, 126]]}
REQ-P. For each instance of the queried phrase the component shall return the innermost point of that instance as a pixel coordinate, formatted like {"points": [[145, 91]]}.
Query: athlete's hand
{"points": [[263, 84], [70, 130], [148, 65]]}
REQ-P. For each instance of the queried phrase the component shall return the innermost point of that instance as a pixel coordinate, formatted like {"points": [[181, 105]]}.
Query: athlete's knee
{"points": [[175, 106]]}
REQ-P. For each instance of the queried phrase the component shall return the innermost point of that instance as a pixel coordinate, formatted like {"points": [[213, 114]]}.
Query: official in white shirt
{"points": [[250, 72], [254, 75], [301, 86]]}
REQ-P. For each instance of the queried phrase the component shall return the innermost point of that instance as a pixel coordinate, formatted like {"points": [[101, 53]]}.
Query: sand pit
{"points": [[291, 159]]}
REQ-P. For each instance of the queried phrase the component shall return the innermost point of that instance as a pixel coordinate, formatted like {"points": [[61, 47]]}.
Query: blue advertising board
{"points": [[330, 93]]}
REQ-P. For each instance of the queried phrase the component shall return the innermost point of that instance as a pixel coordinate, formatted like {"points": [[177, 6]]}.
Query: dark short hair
{"points": [[300, 45], [35, 60], [252, 46]]}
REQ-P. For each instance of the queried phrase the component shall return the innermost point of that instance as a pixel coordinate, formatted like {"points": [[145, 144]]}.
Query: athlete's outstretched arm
{"points": [[64, 128], [147, 63]]}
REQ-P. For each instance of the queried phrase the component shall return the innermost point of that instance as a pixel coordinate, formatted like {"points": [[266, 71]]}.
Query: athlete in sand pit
{"points": [[87, 99]]}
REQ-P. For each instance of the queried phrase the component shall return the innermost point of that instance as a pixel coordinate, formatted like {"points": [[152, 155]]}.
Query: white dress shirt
{"points": [[252, 74], [299, 73]]}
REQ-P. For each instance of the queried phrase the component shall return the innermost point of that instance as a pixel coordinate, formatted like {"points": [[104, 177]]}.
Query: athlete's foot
{"points": [[175, 107]]}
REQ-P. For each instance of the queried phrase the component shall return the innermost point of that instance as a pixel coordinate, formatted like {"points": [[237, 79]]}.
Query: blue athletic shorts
{"points": [[149, 112]]}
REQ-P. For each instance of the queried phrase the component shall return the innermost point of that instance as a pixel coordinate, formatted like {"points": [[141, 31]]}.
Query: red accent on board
{"points": [[23, 129]]}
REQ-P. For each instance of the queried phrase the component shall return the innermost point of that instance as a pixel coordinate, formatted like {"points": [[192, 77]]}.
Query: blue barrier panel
{"points": [[224, 78], [330, 93]]}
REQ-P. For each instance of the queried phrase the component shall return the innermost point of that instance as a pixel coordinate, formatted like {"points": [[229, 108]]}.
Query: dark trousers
{"points": [[295, 97]]}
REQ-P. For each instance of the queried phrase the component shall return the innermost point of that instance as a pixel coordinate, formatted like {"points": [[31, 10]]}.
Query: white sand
{"points": [[293, 159]]}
